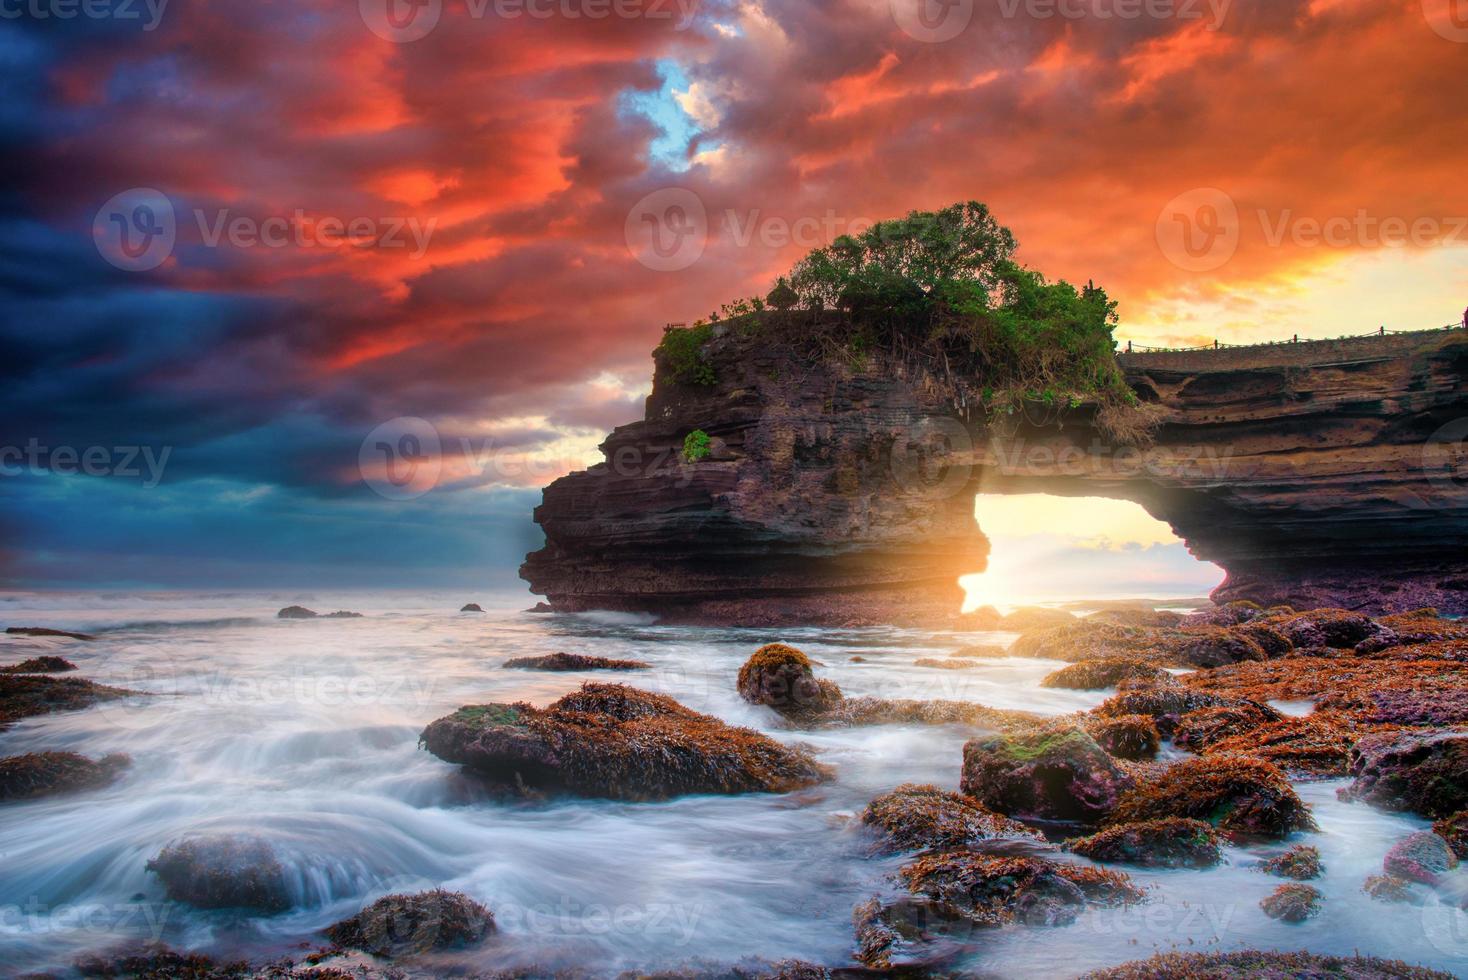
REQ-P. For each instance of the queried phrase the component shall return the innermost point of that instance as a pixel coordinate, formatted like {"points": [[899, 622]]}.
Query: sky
{"points": [[240, 241]]}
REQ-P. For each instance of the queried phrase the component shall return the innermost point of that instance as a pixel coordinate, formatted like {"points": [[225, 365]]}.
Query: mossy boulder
{"points": [[1301, 862], [1053, 774], [1126, 737], [50, 773], [615, 742], [573, 661], [1423, 773], [1253, 964], [1174, 842], [1094, 675], [782, 677], [1292, 903], [40, 665], [399, 925], [223, 872], [1423, 857], [925, 818], [1240, 796], [1197, 730]]}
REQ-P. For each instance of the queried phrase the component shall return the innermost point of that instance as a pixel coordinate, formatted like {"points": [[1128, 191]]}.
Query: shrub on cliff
{"points": [[696, 445], [681, 355]]}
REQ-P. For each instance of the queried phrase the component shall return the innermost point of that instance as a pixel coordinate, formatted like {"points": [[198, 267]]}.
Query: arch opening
{"points": [[1047, 548]]}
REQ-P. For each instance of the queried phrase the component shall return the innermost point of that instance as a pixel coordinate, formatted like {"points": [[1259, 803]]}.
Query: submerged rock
{"points": [[1126, 737], [956, 894], [223, 872], [1174, 842], [27, 695], [400, 925], [573, 661], [952, 663], [615, 742], [1292, 903], [44, 631], [980, 651], [40, 665], [1240, 796], [50, 773], [1389, 888], [924, 818], [781, 677], [1054, 774], [1418, 772], [1093, 675], [1253, 964], [1036, 617], [1423, 856], [1301, 862]]}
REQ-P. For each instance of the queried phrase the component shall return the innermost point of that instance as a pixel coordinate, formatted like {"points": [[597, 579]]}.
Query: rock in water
{"points": [[40, 665], [924, 818], [472, 607], [1055, 774], [1253, 964], [399, 925], [1175, 842], [573, 661], [1093, 675], [1301, 862], [223, 872], [43, 631], [27, 695], [1418, 772], [782, 677], [296, 612], [1423, 856], [1292, 903], [49, 773], [615, 742], [1126, 737], [1240, 796], [1454, 830]]}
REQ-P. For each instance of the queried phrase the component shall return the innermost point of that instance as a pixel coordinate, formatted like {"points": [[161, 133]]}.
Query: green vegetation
{"points": [[696, 445], [681, 355], [941, 291]]}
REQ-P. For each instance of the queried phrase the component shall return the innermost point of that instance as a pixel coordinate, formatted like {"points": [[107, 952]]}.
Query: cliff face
{"points": [[1314, 473]]}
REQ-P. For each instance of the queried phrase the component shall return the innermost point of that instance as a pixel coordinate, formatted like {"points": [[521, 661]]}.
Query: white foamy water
{"points": [[305, 733]]}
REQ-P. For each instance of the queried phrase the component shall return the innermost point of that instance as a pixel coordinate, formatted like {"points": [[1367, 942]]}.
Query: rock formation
{"points": [[1326, 473]]}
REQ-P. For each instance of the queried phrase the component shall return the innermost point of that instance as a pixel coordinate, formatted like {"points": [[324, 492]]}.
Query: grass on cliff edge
{"points": [[940, 289]]}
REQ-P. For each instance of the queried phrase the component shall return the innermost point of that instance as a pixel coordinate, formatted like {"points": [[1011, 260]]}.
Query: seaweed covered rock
{"points": [[50, 773], [1174, 842], [1292, 903], [40, 665], [1338, 628], [1136, 616], [1423, 856], [1164, 705], [924, 818], [1270, 640], [1300, 746], [1454, 830], [1228, 614], [956, 894], [1087, 640], [1214, 646], [399, 925], [1036, 617], [1253, 964], [573, 661], [1053, 774], [1126, 737], [1199, 729], [1422, 773], [223, 872], [1389, 888], [46, 631], [27, 695], [1240, 796], [980, 651], [1301, 862], [782, 677], [1094, 675], [615, 742], [951, 663], [912, 711]]}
